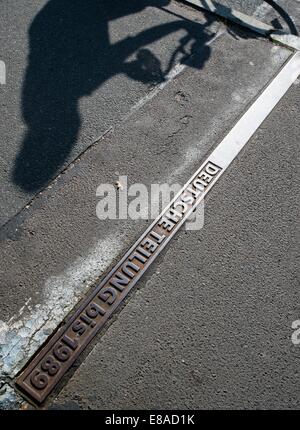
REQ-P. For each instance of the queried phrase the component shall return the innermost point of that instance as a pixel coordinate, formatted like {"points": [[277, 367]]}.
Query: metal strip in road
{"points": [[249, 22], [49, 365], [232, 15]]}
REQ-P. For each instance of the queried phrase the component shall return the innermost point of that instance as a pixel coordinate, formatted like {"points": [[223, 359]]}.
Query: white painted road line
{"points": [[250, 22], [237, 138]]}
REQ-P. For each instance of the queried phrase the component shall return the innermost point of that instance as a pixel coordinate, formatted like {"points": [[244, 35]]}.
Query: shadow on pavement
{"points": [[71, 55], [284, 15]]}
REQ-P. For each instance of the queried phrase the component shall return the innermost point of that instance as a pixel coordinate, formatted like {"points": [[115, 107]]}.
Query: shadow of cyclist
{"points": [[71, 55]]}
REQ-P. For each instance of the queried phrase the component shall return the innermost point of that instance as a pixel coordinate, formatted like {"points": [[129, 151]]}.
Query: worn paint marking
{"points": [[47, 368]]}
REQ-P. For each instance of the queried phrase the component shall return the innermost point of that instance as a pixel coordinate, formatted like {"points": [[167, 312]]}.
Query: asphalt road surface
{"points": [[60, 97], [147, 93], [283, 14], [210, 326]]}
